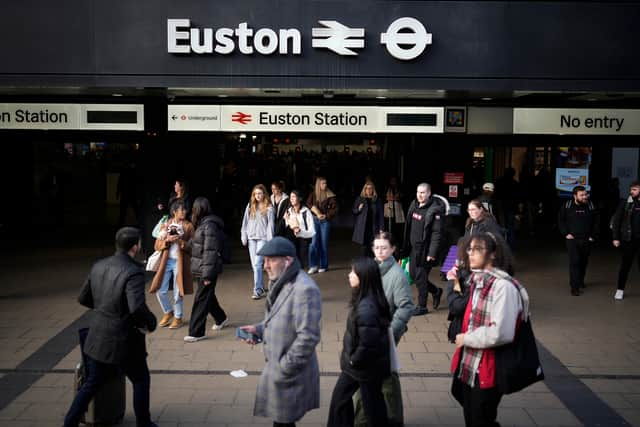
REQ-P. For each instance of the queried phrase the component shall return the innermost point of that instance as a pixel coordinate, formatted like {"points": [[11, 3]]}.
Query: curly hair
{"points": [[496, 247]]}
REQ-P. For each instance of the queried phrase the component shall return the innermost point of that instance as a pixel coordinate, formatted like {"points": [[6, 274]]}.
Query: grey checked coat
{"points": [[289, 385]]}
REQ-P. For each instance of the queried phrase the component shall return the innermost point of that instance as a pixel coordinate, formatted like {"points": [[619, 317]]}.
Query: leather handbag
{"points": [[517, 363], [154, 261]]}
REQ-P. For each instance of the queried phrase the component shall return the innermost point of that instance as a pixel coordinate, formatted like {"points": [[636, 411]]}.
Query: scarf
{"points": [[275, 286]]}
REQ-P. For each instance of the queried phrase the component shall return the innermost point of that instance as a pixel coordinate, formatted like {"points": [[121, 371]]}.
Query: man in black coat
{"points": [[578, 221], [625, 227], [118, 322], [423, 233]]}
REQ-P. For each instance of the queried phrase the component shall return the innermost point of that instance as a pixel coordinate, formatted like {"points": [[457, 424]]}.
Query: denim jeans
{"points": [[319, 249], [256, 263], [163, 294], [135, 368]]}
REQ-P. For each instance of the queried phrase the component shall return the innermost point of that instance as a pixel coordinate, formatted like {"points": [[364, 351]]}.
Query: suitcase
{"points": [[108, 405]]}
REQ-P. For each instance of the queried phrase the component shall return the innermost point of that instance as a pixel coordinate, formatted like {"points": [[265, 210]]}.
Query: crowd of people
{"points": [[287, 237]]}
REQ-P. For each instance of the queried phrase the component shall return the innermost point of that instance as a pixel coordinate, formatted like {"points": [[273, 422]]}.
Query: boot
{"points": [[166, 319], [177, 322]]}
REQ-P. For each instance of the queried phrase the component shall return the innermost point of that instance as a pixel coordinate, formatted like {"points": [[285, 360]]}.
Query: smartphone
{"points": [[241, 333]]}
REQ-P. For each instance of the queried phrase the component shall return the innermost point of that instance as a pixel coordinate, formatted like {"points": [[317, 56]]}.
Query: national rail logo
{"points": [[241, 118]]}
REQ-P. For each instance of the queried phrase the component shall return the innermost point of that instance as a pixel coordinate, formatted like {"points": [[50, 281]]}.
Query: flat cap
{"points": [[278, 246]]}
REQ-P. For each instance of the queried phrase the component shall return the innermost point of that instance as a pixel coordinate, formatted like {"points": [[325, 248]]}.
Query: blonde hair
{"points": [[375, 193], [320, 195], [264, 205]]}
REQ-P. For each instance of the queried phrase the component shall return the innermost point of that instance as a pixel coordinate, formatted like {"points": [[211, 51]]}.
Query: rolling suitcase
{"points": [[108, 405]]}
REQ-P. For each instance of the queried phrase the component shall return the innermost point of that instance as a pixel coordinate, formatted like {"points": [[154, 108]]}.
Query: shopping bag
{"points": [[404, 263], [517, 363], [154, 261], [393, 353], [156, 230]]}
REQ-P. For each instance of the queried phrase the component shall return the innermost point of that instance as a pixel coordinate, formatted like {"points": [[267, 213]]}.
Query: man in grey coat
{"points": [[289, 385]]}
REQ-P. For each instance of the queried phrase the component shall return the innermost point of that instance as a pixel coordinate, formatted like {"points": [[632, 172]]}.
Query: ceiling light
{"points": [[116, 94], [222, 96], [381, 97], [486, 98]]}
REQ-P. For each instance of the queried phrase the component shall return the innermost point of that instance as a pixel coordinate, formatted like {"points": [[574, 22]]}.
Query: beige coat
{"points": [[185, 279]]}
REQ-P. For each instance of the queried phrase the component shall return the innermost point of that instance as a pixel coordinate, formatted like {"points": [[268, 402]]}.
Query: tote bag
{"points": [[393, 353], [154, 261]]}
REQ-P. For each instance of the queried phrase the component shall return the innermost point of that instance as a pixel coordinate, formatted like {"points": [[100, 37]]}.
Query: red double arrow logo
{"points": [[241, 118]]}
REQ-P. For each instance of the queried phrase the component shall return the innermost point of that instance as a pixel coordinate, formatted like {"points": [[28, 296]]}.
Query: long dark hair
{"points": [[201, 208], [483, 212], [368, 273], [496, 246]]}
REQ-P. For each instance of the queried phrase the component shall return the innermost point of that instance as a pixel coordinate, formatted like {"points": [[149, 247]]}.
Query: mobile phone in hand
{"points": [[242, 334]]}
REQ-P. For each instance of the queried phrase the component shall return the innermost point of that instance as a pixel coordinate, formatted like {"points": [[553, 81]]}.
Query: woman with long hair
{"points": [[300, 224], [181, 193], [175, 262], [324, 206], [393, 211], [365, 360], [369, 217], [257, 229], [280, 203], [206, 265], [495, 305], [480, 220]]}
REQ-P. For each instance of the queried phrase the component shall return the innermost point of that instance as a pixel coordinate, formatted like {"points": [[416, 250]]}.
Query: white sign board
{"points": [[558, 121], [194, 117], [72, 116]]}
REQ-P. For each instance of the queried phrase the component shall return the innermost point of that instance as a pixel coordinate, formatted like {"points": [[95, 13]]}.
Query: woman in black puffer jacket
{"points": [[206, 264], [480, 220], [365, 360]]}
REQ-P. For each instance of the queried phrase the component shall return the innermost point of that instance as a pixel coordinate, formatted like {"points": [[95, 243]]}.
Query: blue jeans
{"points": [[135, 368], [319, 250], [256, 263], [163, 294]]}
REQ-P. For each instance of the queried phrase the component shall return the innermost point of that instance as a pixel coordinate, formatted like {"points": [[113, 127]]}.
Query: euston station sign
{"points": [[587, 121], [294, 118]]}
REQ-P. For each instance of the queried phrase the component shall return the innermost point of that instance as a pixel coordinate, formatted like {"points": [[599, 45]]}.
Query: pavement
{"points": [[590, 345]]}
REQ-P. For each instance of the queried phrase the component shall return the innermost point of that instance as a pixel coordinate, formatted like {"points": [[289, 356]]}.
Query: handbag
{"points": [[154, 261], [393, 352], [156, 230], [517, 363]]}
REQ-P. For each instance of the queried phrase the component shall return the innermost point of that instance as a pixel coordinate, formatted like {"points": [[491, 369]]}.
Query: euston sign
{"points": [[72, 116], [405, 39], [586, 121]]}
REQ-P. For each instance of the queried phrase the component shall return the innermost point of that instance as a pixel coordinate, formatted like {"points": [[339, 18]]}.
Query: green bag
{"points": [[404, 263], [156, 230]]}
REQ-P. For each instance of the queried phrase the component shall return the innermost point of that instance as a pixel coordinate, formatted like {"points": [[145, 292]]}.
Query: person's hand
{"points": [[206, 282], [252, 330], [296, 230], [591, 239], [569, 236], [453, 273], [616, 243], [143, 331], [172, 238], [321, 217], [160, 207], [459, 340], [360, 206]]}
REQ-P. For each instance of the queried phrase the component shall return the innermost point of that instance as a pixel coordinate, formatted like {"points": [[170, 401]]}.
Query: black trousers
{"points": [[629, 251], [341, 412], [579, 251], [302, 250], [419, 269], [480, 406], [276, 424], [205, 302]]}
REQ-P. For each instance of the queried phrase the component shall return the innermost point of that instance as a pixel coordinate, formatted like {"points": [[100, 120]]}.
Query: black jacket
{"points": [[433, 222], [206, 248], [486, 225], [621, 228], [457, 305], [115, 292], [581, 221], [376, 221], [280, 226], [365, 351]]}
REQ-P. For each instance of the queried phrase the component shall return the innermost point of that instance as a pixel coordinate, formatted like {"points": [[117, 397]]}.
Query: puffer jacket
{"points": [[398, 293], [484, 225], [365, 350], [206, 254]]}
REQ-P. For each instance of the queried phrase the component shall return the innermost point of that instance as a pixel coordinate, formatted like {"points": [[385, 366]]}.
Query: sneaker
{"points": [[322, 270], [177, 322], [166, 319], [436, 298], [312, 270], [258, 294], [189, 338], [420, 311], [619, 294], [221, 325]]}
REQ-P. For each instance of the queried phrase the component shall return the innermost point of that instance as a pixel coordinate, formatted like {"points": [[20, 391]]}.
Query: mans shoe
{"points": [[221, 325], [312, 270], [177, 322], [189, 338], [166, 319], [619, 294], [258, 294], [575, 292], [322, 270], [436, 298], [420, 311]]}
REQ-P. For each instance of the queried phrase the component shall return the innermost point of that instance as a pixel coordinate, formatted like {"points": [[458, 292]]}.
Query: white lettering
{"points": [[243, 32], [293, 35], [224, 36], [207, 45], [271, 38], [173, 35]]}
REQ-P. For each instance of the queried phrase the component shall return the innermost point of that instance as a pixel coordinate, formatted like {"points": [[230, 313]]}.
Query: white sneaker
{"points": [[619, 294], [322, 270], [189, 338], [221, 325], [312, 270]]}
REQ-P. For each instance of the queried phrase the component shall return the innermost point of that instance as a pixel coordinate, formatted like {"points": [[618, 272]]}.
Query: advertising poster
{"points": [[572, 168], [566, 179]]}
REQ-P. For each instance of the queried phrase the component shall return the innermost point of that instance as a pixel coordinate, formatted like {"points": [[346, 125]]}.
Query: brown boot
{"points": [[166, 319], [177, 322]]}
